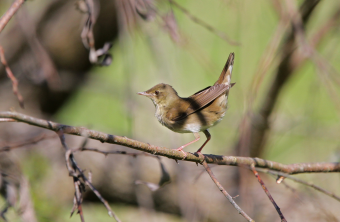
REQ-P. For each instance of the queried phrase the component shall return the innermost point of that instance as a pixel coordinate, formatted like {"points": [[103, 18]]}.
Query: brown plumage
{"points": [[196, 113]]}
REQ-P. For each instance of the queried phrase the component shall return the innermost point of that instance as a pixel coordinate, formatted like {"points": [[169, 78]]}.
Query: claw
{"points": [[181, 149]]}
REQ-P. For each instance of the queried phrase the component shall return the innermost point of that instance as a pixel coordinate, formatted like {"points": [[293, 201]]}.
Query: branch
{"points": [[7, 120], [32, 141], [11, 77], [171, 153], [300, 181], [220, 187], [9, 13], [100, 56], [277, 208], [113, 152], [73, 168]]}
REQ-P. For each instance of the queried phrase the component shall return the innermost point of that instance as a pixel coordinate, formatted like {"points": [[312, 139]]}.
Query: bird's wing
{"points": [[200, 99]]}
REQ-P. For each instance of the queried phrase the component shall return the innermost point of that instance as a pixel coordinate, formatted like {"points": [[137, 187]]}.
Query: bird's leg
{"points": [[207, 134], [197, 136]]}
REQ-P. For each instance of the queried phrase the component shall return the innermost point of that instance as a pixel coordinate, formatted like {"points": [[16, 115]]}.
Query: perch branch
{"points": [[171, 153], [9, 13]]}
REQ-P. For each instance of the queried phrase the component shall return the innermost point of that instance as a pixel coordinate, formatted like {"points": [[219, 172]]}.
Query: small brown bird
{"points": [[196, 113]]}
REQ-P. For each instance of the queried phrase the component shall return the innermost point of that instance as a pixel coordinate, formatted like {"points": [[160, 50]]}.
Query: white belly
{"points": [[192, 128]]}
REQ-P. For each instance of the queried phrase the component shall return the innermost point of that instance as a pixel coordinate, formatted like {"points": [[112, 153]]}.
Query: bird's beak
{"points": [[144, 94]]}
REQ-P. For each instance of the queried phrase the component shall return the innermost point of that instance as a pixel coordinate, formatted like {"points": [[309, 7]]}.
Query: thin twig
{"points": [[11, 77], [113, 152], [9, 13], [72, 172], [267, 192], [220, 187], [87, 36], [272, 172], [32, 141], [95, 191], [76, 172], [200, 22], [171, 153], [79, 198]]}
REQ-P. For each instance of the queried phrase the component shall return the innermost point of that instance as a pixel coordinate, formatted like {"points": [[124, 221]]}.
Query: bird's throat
{"points": [[160, 111]]}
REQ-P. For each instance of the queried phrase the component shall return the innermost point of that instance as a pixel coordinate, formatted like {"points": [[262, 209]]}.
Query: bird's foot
{"points": [[181, 149], [199, 154]]}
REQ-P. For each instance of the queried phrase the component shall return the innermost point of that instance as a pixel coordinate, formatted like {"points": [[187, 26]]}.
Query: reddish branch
{"points": [[31, 141], [284, 175], [9, 14], [171, 153], [11, 77], [267, 193], [112, 152], [225, 193]]}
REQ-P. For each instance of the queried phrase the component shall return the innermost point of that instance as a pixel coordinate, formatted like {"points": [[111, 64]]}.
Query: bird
{"points": [[196, 113]]}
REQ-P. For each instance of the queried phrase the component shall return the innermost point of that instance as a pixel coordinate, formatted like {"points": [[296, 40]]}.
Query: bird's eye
{"points": [[156, 92]]}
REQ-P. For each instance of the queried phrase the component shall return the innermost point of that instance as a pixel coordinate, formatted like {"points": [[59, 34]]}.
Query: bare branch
{"points": [[32, 141], [171, 153], [9, 14], [114, 152], [11, 77], [267, 193], [76, 172], [100, 56], [225, 193], [95, 191], [284, 175]]}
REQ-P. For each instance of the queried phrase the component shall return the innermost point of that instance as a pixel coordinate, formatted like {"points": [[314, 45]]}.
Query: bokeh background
{"points": [[184, 44]]}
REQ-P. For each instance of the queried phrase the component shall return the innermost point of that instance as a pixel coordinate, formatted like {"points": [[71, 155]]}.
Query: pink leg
{"points": [[207, 134], [197, 136]]}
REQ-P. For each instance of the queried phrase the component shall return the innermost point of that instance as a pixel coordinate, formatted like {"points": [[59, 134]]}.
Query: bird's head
{"points": [[161, 94]]}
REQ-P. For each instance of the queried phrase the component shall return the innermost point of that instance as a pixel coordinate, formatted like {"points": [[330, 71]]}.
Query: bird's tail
{"points": [[225, 76]]}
